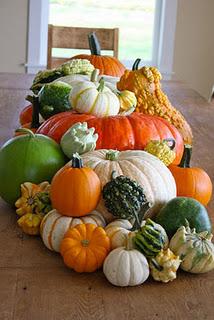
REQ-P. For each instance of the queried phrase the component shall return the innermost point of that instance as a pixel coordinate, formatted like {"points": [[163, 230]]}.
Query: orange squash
{"points": [[85, 247], [191, 182], [75, 191]]}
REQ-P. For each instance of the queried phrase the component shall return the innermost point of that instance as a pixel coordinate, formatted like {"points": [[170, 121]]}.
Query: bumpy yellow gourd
{"points": [[164, 266], [34, 198], [30, 223], [161, 150], [145, 83]]}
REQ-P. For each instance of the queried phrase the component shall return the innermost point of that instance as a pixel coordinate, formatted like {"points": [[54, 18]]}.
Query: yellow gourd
{"points": [[30, 223], [164, 266], [162, 150]]}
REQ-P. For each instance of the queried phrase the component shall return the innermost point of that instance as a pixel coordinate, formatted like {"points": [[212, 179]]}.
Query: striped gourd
{"points": [[151, 239], [88, 97], [195, 249], [54, 226], [117, 232]]}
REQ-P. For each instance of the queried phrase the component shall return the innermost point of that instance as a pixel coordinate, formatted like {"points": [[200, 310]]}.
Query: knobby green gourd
{"points": [[151, 239], [125, 199], [79, 138], [195, 249]]}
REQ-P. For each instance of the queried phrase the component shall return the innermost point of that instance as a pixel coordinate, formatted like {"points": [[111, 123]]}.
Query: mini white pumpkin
{"points": [[117, 231], [54, 226], [126, 266], [97, 99]]}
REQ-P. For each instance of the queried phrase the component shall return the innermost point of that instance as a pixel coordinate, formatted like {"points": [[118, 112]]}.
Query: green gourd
{"points": [[150, 239], [195, 249], [175, 213], [79, 138], [30, 157], [125, 199]]}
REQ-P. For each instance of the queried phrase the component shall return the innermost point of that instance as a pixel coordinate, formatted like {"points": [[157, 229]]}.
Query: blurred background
{"points": [[174, 35]]}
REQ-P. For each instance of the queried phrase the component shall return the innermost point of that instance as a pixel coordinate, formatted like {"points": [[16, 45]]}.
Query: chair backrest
{"points": [[77, 38]]}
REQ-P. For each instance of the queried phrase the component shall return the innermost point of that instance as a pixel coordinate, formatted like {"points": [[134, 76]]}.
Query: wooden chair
{"points": [[77, 38]]}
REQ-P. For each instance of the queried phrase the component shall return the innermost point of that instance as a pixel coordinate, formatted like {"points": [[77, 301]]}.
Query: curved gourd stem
{"points": [[136, 64], [170, 141], [156, 264], [94, 75], [76, 161], [101, 85], [185, 161], [139, 217], [94, 44], [26, 130]]}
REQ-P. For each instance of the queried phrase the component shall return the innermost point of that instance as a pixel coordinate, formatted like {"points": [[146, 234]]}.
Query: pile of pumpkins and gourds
{"points": [[105, 179]]}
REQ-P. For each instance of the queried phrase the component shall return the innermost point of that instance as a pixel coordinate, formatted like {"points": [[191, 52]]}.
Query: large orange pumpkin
{"points": [[26, 114], [85, 247], [191, 182], [107, 65], [131, 132], [75, 191]]}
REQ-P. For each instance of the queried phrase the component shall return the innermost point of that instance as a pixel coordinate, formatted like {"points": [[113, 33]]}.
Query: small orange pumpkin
{"points": [[191, 182], [75, 191], [85, 247]]}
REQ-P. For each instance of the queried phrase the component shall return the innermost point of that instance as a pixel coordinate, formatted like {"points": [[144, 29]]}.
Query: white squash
{"points": [[97, 99], [155, 178], [54, 226], [126, 266], [117, 231]]}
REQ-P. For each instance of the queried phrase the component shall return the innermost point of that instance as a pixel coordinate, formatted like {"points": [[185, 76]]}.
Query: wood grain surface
{"points": [[35, 284]]}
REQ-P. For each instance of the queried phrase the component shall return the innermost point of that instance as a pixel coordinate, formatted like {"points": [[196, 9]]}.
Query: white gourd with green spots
{"points": [[195, 250]]}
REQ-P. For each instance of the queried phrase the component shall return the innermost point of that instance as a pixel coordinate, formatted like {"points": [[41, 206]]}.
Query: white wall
{"points": [[194, 45], [13, 35]]}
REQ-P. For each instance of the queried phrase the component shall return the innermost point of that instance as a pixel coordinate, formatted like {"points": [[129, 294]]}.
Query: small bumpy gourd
{"points": [[151, 239], [30, 223], [145, 83], [124, 198], [162, 150], [195, 249], [164, 266]]}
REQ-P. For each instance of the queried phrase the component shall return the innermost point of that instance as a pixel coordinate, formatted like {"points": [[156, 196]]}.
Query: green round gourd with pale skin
{"points": [[147, 170], [181, 209], [195, 249], [30, 157], [54, 226]]}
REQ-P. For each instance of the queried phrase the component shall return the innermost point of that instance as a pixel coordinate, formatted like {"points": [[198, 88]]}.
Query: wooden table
{"points": [[35, 284]]}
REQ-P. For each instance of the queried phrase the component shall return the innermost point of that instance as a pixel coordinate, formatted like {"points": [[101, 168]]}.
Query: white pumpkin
{"points": [[155, 178], [54, 226], [126, 266], [92, 98], [117, 231]]}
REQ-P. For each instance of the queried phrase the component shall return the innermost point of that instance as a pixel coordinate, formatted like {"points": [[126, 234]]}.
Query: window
{"points": [[147, 28], [137, 20]]}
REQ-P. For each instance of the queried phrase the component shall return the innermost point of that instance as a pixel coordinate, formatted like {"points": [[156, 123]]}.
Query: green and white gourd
{"points": [[195, 249], [79, 138], [151, 239], [54, 226]]}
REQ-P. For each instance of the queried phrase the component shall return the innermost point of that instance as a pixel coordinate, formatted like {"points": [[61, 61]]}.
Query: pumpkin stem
{"points": [[27, 131], [112, 155], [76, 161], [94, 75], [136, 64], [156, 264], [139, 217], [35, 105], [185, 161], [170, 142], [85, 243], [101, 85], [94, 45]]}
